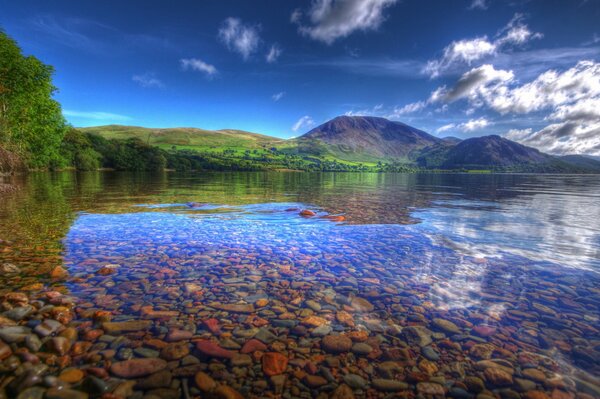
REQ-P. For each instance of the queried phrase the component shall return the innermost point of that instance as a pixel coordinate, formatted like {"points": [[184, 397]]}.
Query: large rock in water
{"points": [[135, 368], [126, 326]]}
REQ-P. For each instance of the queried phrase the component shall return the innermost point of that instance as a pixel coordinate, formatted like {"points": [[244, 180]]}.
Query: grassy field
{"points": [[189, 138]]}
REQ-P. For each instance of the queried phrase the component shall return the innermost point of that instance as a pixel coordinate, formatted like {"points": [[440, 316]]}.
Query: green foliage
{"points": [[78, 151], [31, 122]]}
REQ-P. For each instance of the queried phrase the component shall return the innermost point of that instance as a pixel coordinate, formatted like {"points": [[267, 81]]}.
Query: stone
{"points": [[361, 348], [446, 326], [386, 385], [178, 335], [253, 345], [204, 382], [175, 351], [211, 349], [126, 326], [497, 376], [429, 388], [71, 376], [5, 351], [336, 343], [47, 327], [534, 374], [226, 392], [355, 381], [136, 368], [160, 379], [274, 363], [233, 307], [64, 393], [307, 213], [417, 335], [359, 304], [343, 391], [314, 381], [314, 321]]}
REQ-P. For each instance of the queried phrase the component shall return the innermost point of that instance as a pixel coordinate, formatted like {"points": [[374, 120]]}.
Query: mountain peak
{"points": [[369, 137]]}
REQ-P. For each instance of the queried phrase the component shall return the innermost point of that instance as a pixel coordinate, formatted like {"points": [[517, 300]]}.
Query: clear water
{"points": [[516, 253]]}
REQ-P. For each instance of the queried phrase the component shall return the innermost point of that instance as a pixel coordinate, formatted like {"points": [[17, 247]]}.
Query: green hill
{"points": [[189, 138]]}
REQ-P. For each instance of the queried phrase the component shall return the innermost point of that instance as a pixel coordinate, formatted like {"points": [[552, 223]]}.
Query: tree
{"points": [[31, 121]]}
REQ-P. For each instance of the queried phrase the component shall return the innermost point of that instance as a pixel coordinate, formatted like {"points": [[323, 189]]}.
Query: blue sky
{"points": [[524, 69]]}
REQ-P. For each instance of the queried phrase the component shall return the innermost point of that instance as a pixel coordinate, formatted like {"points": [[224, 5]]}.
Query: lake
{"points": [[424, 285]]}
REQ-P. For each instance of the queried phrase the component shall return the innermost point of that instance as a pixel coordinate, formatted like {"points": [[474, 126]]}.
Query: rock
{"points": [[484, 331], [226, 392], [314, 321], [14, 334], [274, 363], [59, 345], [95, 386], [385, 385], [307, 213], [523, 385], [482, 351], [212, 325], [160, 379], [446, 326], [253, 345], [58, 272], [361, 305], [343, 391], [34, 393], [5, 351], [204, 382], [47, 327], [535, 395], [136, 368], [178, 335], [175, 351], [474, 384], [355, 381], [429, 388], [211, 349], [321, 331], [64, 393], [233, 307], [389, 369], [71, 376], [417, 335], [429, 353], [19, 313], [497, 376], [362, 348], [126, 326], [534, 374], [265, 336], [336, 343], [9, 268], [314, 381]]}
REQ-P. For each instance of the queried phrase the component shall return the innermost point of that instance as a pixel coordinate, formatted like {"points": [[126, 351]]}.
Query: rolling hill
{"points": [[360, 140], [188, 138]]}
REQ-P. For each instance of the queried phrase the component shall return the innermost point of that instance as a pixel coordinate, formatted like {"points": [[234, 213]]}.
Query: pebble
{"points": [[336, 343], [135, 368]]}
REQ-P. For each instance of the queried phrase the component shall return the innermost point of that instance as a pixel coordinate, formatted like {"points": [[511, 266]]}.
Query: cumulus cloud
{"points": [[148, 80], [239, 37], [468, 126], [468, 51], [471, 81], [273, 54], [479, 5], [330, 20], [562, 138], [445, 128], [196, 64], [278, 96], [303, 123]]}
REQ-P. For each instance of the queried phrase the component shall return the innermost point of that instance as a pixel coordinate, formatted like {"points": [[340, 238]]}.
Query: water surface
{"points": [[511, 261]]}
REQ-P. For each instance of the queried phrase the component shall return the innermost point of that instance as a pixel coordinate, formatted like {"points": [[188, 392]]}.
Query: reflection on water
{"points": [[495, 272]]}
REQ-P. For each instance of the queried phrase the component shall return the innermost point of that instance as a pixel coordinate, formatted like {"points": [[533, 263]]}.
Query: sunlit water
{"points": [[517, 253]]}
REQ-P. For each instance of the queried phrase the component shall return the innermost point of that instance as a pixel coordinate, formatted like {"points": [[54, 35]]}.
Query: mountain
{"points": [[365, 138], [488, 151], [587, 162], [187, 138]]}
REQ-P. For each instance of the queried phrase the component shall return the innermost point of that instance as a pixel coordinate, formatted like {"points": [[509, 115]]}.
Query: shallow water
{"points": [[501, 271]]}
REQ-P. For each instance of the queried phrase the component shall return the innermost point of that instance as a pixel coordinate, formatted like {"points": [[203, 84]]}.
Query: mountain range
{"points": [[367, 139]]}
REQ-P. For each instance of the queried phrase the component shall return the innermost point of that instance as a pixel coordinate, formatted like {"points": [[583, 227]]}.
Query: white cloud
{"points": [[303, 123], [562, 138], [278, 96], [471, 81], [445, 128], [467, 51], [148, 80], [239, 37], [479, 5], [96, 115], [196, 64], [334, 19], [273, 54], [474, 124], [374, 111]]}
